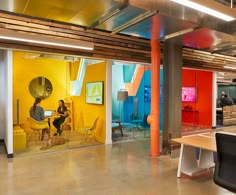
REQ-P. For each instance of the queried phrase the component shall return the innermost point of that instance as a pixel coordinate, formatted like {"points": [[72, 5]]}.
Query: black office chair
{"points": [[225, 167]]}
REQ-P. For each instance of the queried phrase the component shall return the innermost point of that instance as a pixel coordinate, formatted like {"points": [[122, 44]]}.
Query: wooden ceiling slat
{"points": [[122, 48], [117, 47], [62, 26]]}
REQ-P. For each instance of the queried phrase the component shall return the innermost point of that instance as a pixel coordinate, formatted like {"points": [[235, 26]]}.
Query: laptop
{"points": [[48, 113]]}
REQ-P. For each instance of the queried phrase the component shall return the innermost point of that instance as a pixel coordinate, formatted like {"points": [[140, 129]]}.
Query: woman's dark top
{"points": [[38, 115], [62, 111]]}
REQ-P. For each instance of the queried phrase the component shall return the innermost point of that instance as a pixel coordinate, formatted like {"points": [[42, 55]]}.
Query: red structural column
{"points": [[154, 117]]}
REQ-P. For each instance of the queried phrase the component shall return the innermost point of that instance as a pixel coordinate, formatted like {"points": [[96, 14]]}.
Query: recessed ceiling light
{"points": [[230, 67], [37, 38], [205, 9]]}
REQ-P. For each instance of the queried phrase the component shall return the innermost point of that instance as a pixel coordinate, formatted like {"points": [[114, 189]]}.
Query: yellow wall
{"points": [[57, 71], [74, 68], [24, 70], [84, 114]]}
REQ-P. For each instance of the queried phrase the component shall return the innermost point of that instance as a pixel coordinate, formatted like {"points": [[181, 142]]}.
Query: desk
{"points": [[188, 162]]}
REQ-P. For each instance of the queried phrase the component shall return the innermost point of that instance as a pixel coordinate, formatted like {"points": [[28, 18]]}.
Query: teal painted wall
{"points": [[117, 84], [127, 107]]}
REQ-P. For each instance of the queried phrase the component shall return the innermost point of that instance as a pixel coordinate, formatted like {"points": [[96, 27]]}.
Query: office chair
{"points": [[89, 131], [225, 172]]}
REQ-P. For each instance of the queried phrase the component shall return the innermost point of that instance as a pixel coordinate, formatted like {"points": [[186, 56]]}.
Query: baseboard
{"points": [[214, 127], [8, 155]]}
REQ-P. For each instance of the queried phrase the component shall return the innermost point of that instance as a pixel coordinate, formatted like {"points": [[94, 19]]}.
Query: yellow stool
{"points": [[19, 138]]}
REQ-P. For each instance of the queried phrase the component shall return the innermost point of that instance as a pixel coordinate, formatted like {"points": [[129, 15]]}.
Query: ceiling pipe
{"points": [[179, 33], [134, 21], [109, 15]]}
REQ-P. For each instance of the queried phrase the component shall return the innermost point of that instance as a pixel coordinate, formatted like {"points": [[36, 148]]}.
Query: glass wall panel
{"points": [[133, 111], [226, 100], [70, 109], [196, 101]]}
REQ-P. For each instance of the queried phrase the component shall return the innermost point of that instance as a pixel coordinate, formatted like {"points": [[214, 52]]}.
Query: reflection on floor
{"points": [[231, 129], [189, 130], [122, 168], [130, 134], [73, 140]]}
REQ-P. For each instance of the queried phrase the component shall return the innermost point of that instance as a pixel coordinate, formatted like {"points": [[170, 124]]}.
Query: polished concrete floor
{"points": [[122, 169]]}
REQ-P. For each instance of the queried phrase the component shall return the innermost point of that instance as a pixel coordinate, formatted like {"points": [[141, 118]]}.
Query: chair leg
{"points": [[121, 131], [84, 137], [93, 135], [30, 136], [37, 133], [87, 134]]}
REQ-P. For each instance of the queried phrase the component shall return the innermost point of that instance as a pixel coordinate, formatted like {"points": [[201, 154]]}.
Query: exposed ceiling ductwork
{"points": [[197, 30], [208, 33]]}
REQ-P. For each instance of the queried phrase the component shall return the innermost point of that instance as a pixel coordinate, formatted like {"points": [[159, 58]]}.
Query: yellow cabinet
{"points": [[19, 138]]}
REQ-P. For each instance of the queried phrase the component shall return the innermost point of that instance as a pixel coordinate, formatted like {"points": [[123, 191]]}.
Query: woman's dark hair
{"points": [[36, 101], [63, 103]]}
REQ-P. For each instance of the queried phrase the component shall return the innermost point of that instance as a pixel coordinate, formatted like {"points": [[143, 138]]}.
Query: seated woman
{"points": [[37, 113], [62, 112]]}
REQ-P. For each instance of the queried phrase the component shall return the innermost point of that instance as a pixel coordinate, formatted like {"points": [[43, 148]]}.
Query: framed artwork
{"points": [[94, 92]]}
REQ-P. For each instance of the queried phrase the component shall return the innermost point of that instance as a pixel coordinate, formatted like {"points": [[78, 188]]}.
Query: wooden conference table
{"points": [[188, 162]]}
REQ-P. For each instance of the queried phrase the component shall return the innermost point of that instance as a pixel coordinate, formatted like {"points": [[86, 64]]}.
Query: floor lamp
{"points": [[122, 95]]}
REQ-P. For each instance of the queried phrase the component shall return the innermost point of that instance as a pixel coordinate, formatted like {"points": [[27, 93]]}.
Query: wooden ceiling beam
{"points": [[106, 46]]}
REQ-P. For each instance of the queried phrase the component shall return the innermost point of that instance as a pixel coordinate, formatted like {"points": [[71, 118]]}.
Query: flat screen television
{"points": [[94, 92], [189, 94]]}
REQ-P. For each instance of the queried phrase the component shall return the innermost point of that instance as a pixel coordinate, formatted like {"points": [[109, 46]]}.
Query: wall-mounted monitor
{"points": [[94, 92], [189, 94]]}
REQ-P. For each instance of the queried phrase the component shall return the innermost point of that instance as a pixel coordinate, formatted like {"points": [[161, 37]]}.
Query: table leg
{"points": [[188, 163], [180, 160], [206, 159]]}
